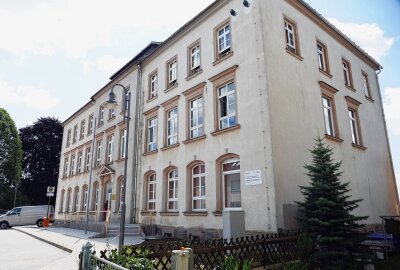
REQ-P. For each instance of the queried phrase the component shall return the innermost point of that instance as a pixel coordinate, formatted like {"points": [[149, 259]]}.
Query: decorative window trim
{"points": [[219, 57], [90, 124], [84, 201], [75, 134], [189, 189], [148, 115], [176, 185], [192, 72], [326, 70], [101, 116], [367, 92], [69, 135], [110, 148], [294, 51], [352, 106], [146, 201], [192, 94], [329, 92], [82, 130], [349, 73], [168, 84]]}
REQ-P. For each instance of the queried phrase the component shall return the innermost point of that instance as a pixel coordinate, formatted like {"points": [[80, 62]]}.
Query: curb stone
{"points": [[46, 241]]}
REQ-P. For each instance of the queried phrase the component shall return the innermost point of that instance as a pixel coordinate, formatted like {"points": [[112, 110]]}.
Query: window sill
{"points": [[151, 99], [217, 213], [150, 152], [195, 139], [171, 88], [222, 58], [361, 147], [298, 56], [325, 73], [194, 74], [89, 134], [196, 213], [148, 213], [169, 147], [350, 88], [110, 119], [100, 125], [370, 99], [333, 138], [172, 213], [217, 132]]}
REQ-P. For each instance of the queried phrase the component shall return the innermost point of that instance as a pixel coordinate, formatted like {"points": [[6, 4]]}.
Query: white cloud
{"points": [[76, 27], [111, 64], [369, 36], [391, 103], [27, 95]]}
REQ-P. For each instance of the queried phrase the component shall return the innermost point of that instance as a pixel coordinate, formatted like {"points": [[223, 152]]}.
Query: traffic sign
{"points": [[50, 189]]}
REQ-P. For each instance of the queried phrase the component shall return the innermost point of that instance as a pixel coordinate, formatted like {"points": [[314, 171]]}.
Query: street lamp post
{"points": [[111, 104], [15, 186]]}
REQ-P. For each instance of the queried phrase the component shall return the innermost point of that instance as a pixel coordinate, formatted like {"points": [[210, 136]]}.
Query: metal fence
{"points": [[89, 261]]}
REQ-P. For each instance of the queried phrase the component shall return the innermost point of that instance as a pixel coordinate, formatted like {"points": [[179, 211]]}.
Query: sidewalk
{"points": [[72, 240]]}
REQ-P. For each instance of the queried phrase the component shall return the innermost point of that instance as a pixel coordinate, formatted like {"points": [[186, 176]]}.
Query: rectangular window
{"points": [[329, 112], [69, 137], [66, 164], [348, 81], [354, 127], [153, 84], [72, 168], [91, 123], [98, 153], [224, 40], [111, 114], [84, 198], [194, 58], [122, 146], [354, 120], [367, 89], [83, 126], [88, 157], [110, 148], [231, 176], [80, 161], [152, 134], [291, 36], [328, 116], [227, 106], [172, 67], [196, 117], [172, 126], [172, 203], [151, 192], [75, 136], [101, 115], [322, 54]]}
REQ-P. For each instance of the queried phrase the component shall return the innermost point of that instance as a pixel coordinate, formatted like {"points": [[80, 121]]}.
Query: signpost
{"points": [[50, 193]]}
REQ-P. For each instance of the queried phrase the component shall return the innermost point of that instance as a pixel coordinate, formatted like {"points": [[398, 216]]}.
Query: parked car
{"points": [[26, 215], [3, 212]]}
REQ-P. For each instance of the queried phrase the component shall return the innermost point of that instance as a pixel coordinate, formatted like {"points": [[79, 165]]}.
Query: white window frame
{"points": [[172, 126], [122, 144], [290, 32], [365, 80], [111, 114], [224, 38], [153, 85], [196, 124], [75, 135], [96, 197], [68, 202], [346, 73], [228, 107], [83, 126], [76, 200], [110, 148], [328, 116], [85, 193], [66, 165], [80, 157], [101, 115], [91, 122], [174, 181], [202, 184], [72, 168], [354, 128], [224, 173], [321, 57], [88, 156], [172, 71], [152, 140], [69, 133], [151, 198], [99, 146], [195, 58]]}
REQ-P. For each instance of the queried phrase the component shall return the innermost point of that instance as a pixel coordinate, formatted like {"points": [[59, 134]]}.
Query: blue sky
{"points": [[54, 54]]}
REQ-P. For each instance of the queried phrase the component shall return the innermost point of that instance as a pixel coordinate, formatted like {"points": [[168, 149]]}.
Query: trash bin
{"points": [[45, 222]]}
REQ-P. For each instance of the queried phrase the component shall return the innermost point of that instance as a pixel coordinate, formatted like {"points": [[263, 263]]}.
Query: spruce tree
{"points": [[327, 210]]}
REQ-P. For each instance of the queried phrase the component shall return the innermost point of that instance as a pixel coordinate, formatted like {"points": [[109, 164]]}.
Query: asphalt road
{"points": [[19, 251]]}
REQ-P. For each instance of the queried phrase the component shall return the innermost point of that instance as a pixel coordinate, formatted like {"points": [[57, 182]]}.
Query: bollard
{"points": [[182, 259], [86, 250]]}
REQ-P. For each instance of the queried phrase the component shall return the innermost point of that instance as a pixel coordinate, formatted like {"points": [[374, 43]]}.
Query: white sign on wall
{"points": [[252, 178]]}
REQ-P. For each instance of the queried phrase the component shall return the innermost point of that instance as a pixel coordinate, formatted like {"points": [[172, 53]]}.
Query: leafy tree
{"points": [[10, 158], [41, 143], [327, 212]]}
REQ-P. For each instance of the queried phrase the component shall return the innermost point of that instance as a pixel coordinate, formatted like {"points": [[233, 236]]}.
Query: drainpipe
{"points": [[136, 142], [387, 139]]}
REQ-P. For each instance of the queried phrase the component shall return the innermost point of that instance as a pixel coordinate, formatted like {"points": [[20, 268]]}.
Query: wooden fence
{"points": [[264, 250]]}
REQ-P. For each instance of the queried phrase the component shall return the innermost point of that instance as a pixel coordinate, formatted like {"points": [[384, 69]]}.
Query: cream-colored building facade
{"points": [[222, 115]]}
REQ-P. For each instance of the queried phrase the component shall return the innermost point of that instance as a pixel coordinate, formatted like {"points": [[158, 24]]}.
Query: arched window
{"points": [[84, 198], [172, 190], [68, 203], [76, 200], [61, 202], [198, 183], [151, 192], [96, 196]]}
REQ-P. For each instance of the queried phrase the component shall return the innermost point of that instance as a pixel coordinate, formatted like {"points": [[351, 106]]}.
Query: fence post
{"points": [[86, 250], [182, 259]]}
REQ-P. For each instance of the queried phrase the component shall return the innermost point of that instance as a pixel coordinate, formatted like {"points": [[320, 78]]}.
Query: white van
{"points": [[26, 215]]}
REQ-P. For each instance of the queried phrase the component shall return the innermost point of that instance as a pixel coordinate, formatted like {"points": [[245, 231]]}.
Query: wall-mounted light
{"points": [[246, 3], [233, 12]]}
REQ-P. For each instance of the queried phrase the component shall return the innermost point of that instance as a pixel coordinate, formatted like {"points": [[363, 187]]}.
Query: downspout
{"points": [[136, 136], [387, 139]]}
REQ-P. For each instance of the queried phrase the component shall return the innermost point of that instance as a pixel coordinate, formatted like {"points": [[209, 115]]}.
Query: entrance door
{"points": [[107, 198], [231, 176]]}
